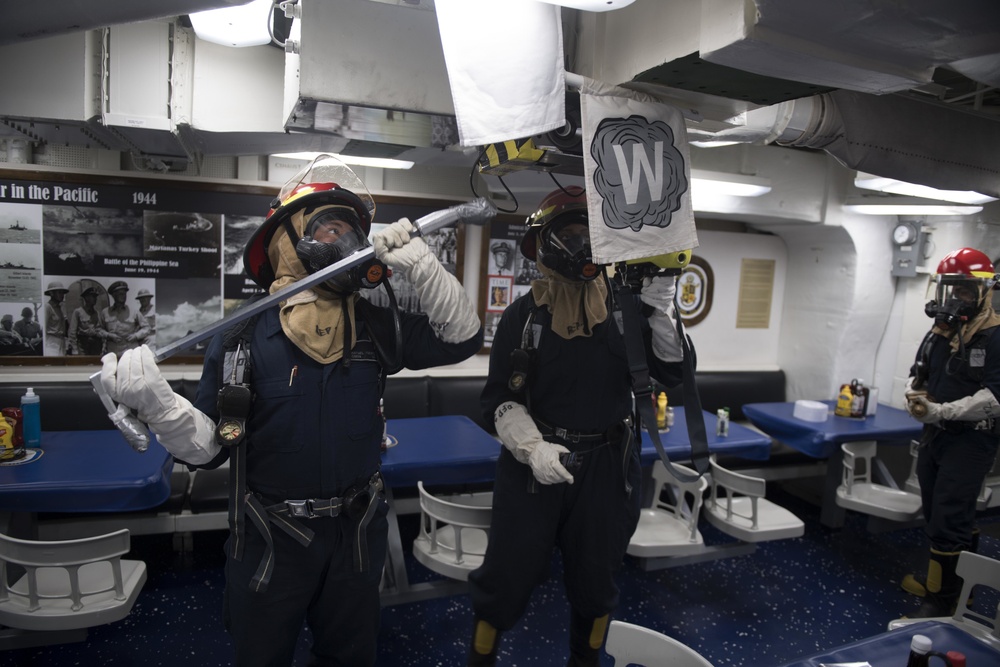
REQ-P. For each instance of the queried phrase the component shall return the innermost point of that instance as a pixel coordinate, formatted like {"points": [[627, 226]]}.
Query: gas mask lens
{"points": [[572, 238], [956, 300], [331, 236]]}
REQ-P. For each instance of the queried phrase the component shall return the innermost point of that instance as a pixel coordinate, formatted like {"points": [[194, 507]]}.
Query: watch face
{"points": [[230, 430], [904, 234]]}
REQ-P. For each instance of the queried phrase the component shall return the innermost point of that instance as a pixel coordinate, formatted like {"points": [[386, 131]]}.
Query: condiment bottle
{"points": [[845, 401]]}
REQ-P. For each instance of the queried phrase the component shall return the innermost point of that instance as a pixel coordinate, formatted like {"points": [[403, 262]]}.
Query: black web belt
{"points": [[570, 436], [358, 505]]}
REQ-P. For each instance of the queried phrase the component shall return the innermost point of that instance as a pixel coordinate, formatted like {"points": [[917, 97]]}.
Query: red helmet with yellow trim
{"points": [[558, 235], [326, 181], [964, 278]]}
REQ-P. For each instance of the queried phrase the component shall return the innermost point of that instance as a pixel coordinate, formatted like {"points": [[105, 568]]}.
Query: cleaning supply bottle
{"points": [[844, 402], [31, 414], [661, 411], [920, 647]]}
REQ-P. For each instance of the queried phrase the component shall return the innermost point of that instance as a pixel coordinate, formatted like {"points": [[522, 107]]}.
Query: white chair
{"points": [[737, 507], [859, 493], [912, 484], [453, 532], [669, 526], [635, 645], [975, 570], [68, 584]]}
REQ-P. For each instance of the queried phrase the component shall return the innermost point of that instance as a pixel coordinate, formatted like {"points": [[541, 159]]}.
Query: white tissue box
{"points": [[811, 411]]}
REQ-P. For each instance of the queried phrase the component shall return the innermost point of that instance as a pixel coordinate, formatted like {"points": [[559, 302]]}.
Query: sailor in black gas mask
{"points": [[954, 391]]}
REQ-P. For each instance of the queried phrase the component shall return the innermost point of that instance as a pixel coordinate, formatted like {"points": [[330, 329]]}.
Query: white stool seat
{"points": [[669, 526], [737, 507], [859, 493], [632, 644], [454, 531]]}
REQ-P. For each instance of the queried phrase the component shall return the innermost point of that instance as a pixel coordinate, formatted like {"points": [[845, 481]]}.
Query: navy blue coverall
{"points": [[313, 433], [956, 458], [582, 385]]}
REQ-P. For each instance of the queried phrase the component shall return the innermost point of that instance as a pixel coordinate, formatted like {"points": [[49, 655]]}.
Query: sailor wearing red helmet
{"points": [[291, 399], [954, 390]]}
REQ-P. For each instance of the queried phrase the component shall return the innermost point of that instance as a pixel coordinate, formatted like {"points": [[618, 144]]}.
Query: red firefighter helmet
{"points": [[555, 204], [326, 180], [558, 235], [963, 279], [970, 262]]}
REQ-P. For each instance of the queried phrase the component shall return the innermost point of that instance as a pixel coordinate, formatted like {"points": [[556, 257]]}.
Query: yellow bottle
{"points": [[6, 439], [661, 410], [844, 402]]}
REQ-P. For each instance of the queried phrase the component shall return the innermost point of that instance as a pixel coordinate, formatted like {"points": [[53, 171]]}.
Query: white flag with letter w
{"points": [[637, 169]]}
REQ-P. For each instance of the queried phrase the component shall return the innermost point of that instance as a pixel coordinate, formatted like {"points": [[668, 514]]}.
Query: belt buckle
{"points": [[563, 434], [301, 509]]}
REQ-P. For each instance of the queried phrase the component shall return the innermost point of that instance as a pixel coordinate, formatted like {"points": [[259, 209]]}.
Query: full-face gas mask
{"points": [[332, 234], [558, 236], [962, 284]]}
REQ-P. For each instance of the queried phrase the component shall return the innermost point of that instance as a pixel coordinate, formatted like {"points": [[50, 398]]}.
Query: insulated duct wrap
{"points": [[902, 138]]}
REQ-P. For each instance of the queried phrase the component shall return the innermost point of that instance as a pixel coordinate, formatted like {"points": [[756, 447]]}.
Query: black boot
{"points": [[484, 645], [943, 585], [586, 637], [916, 584]]}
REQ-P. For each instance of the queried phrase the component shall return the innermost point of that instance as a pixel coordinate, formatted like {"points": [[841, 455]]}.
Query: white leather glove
{"points": [[981, 405], [658, 292], [442, 297], [136, 382], [921, 409], [519, 434]]}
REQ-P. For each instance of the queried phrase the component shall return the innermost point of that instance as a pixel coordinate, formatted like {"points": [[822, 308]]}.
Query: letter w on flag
{"points": [[637, 169]]}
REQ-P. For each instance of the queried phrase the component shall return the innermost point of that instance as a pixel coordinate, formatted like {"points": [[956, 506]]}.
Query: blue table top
{"points": [[891, 649], [439, 450], [741, 441], [454, 450], [821, 439], [87, 471]]}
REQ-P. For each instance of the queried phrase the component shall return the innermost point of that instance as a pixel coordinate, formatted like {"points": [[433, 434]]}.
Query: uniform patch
{"points": [[977, 358]]}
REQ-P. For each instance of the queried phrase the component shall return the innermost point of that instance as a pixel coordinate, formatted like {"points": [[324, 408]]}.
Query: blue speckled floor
{"points": [[788, 599]]}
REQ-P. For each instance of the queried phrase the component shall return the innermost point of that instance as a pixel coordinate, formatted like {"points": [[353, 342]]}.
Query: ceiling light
{"points": [[591, 5], [882, 184], [713, 183], [906, 206], [242, 25], [357, 160]]}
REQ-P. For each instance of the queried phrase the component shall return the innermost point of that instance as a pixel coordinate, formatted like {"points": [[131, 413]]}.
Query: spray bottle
{"points": [[31, 414]]}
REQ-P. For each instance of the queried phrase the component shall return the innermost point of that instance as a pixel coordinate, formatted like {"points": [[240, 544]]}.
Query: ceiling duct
{"points": [[20, 21], [385, 94]]}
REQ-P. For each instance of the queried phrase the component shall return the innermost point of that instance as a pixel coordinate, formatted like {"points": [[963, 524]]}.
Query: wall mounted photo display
{"points": [[506, 274], [159, 257]]}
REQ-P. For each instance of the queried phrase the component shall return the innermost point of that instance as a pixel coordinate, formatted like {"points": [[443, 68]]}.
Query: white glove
{"points": [[136, 382], [921, 409], [981, 405], [441, 296], [658, 292], [394, 246], [519, 434]]}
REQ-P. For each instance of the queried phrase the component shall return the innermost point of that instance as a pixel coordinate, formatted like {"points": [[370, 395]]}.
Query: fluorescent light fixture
{"points": [[357, 160], [882, 184], [906, 206], [715, 183], [591, 5], [241, 25]]}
